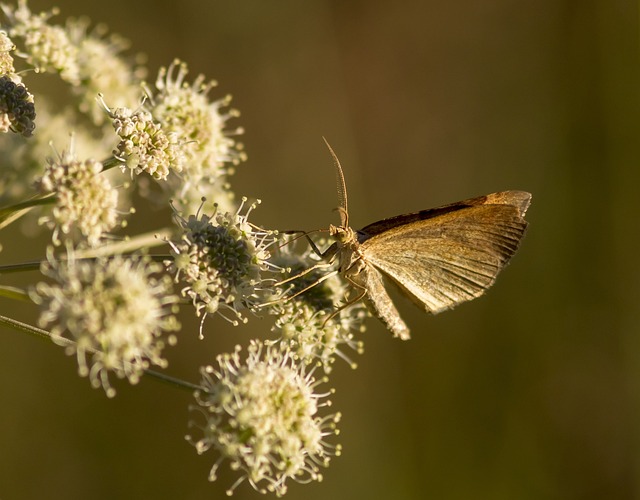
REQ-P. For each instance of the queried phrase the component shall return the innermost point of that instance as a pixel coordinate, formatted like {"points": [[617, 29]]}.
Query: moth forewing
{"points": [[518, 199], [441, 261]]}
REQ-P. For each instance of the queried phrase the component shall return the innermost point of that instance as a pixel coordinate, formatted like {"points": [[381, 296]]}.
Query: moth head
{"points": [[341, 233]]}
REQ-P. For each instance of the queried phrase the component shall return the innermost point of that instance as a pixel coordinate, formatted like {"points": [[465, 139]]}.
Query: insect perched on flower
{"points": [[439, 257]]}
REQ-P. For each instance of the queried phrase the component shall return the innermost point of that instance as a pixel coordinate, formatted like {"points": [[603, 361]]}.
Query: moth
{"points": [[439, 257]]}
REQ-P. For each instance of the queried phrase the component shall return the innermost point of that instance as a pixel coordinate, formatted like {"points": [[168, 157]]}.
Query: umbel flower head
{"points": [[114, 310], [314, 324], [144, 145], [187, 111], [6, 61], [219, 259], [46, 47], [17, 111], [261, 415], [85, 200], [103, 69]]}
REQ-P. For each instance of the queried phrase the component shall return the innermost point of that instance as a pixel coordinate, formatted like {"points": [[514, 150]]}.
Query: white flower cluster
{"points": [[219, 259], [187, 111], [85, 200], [115, 310], [6, 60], [47, 47], [261, 415], [109, 300], [103, 69], [313, 320], [17, 111], [144, 145]]}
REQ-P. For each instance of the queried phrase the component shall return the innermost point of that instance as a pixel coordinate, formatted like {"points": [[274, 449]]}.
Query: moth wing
{"points": [[518, 199], [444, 260]]}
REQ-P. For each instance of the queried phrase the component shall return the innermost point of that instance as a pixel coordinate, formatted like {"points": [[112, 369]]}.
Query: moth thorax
{"points": [[342, 234]]}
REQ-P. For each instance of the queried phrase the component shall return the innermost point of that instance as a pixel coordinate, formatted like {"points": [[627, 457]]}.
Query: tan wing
{"points": [[519, 199], [447, 259]]}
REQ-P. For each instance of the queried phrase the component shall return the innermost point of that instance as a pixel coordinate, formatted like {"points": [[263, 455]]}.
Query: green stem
{"points": [[13, 212], [10, 292], [46, 335], [145, 240], [25, 328], [46, 199], [110, 162], [23, 266]]}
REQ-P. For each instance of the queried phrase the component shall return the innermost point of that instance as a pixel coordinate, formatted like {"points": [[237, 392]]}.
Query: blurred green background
{"points": [[531, 392]]}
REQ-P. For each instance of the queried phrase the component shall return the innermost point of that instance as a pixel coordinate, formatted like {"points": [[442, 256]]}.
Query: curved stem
{"points": [[46, 335]]}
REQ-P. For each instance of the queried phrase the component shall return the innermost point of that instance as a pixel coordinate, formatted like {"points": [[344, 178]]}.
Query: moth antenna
{"points": [[342, 188]]}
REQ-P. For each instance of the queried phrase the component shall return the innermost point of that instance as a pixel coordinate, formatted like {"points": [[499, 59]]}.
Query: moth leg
{"points": [[319, 265], [328, 255], [350, 302], [299, 292]]}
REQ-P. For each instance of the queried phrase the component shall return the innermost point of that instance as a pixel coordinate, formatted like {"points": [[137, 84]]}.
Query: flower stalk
{"points": [[46, 335]]}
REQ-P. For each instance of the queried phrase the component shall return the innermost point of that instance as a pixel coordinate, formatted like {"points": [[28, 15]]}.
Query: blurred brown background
{"points": [[531, 392]]}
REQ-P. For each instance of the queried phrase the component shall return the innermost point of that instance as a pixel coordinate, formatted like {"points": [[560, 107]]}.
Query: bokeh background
{"points": [[531, 392]]}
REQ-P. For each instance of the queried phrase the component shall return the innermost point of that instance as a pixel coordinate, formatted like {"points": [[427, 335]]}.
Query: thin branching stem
{"points": [[47, 199], [146, 240], [46, 335]]}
